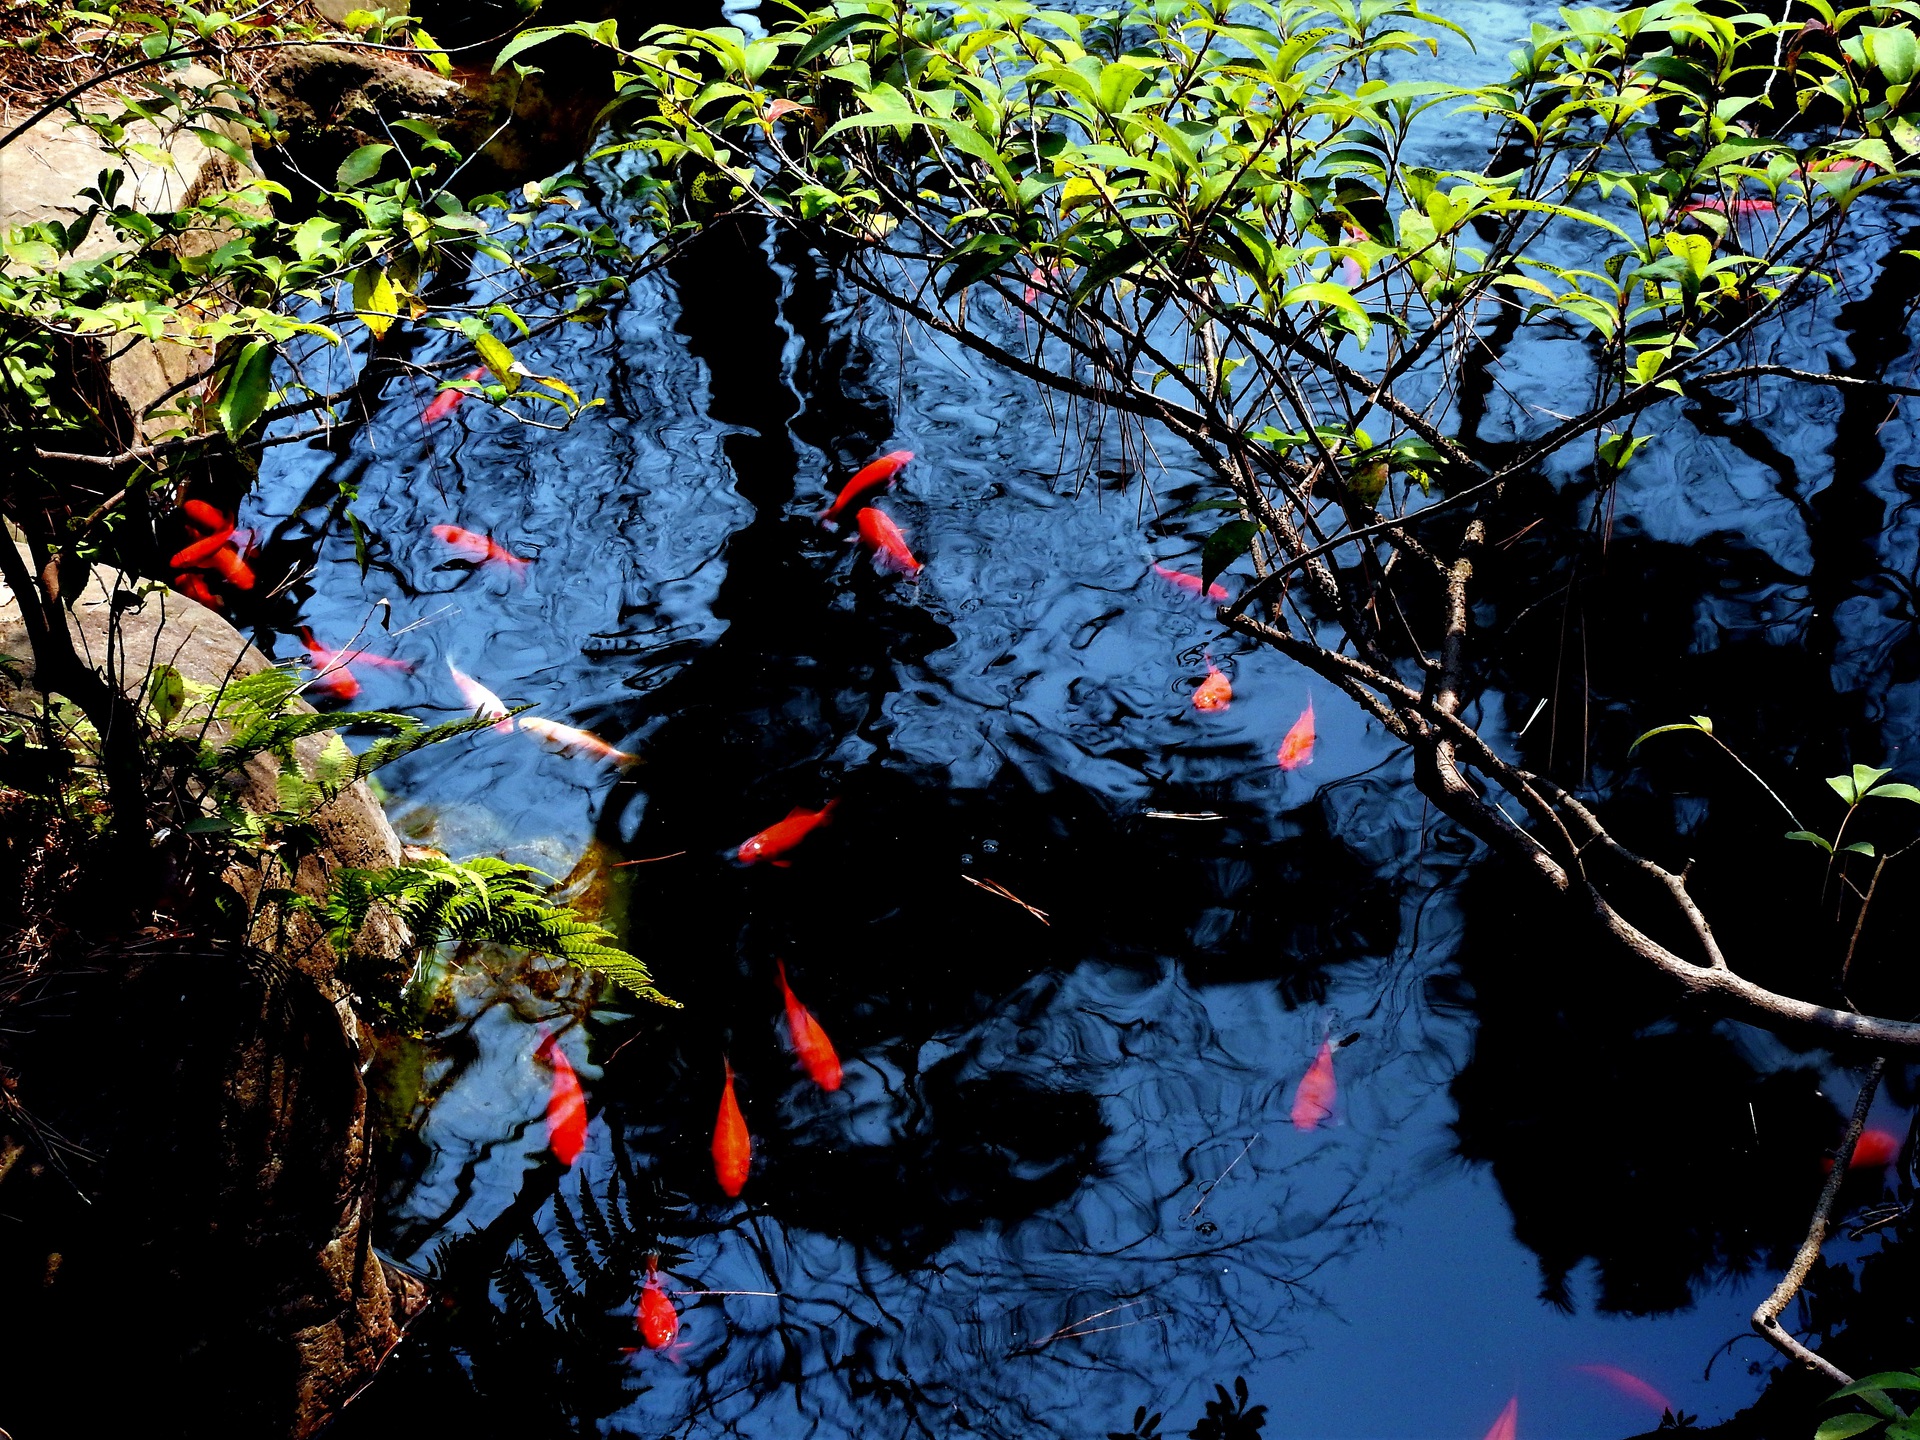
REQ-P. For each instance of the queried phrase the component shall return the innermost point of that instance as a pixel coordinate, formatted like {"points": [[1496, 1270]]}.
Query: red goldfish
{"points": [[205, 516], [809, 1041], [732, 1148], [442, 404], [572, 741], [194, 588], [1215, 692], [1627, 1383], [1191, 584], [199, 554], [1039, 280], [781, 836], [1874, 1150], [1297, 748], [481, 700], [323, 657], [232, 567], [566, 1105], [1507, 1427], [659, 1323], [1313, 1099], [872, 479], [889, 546], [479, 548]]}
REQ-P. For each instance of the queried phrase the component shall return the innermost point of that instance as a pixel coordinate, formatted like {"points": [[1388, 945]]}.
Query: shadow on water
{"points": [[1062, 1177]]}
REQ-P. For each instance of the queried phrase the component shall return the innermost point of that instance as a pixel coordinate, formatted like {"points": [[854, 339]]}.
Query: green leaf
{"points": [[1896, 791], [248, 387], [1697, 726], [497, 357], [1853, 788], [1812, 839], [1894, 50], [524, 42], [1224, 546], [166, 693], [373, 298], [1325, 292], [1885, 1380], [362, 165], [1861, 847], [315, 235], [1840, 1427]]}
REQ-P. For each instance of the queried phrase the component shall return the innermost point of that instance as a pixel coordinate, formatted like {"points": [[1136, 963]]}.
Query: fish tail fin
{"points": [[826, 810]]}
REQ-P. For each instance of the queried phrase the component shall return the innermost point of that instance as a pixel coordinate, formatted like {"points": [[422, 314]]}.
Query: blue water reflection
{"points": [[1061, 1179]]}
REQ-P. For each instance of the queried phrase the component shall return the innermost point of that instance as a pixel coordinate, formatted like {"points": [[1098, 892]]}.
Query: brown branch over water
{"points": [[1766, 1319]]}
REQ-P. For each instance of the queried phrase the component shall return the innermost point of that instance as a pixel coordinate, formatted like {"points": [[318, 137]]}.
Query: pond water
{"points": [[1062, 1177]]}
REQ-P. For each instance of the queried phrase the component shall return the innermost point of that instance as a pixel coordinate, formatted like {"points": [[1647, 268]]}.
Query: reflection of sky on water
{"points": [[1019, 706]]}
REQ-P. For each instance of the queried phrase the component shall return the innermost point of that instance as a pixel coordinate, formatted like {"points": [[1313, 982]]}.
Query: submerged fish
{"points": [[781, 836], [1507, 1427], [1215, 592], [1874, 1150], [1627, 1383], [481, 700], [199, 555], [323, 657], [809, 1041], [203, 515], [442, 404], [889, 546], [1297, 748], [1215, 692], [566, 1105], [572, 741], [1313, 1098], [732, 1148], [231, 567], [194, 588], [869, 480], [480, 549], [655, 1316]]}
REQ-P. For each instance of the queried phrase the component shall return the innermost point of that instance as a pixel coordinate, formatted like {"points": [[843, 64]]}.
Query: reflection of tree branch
{"points": [[1766, 1319]]}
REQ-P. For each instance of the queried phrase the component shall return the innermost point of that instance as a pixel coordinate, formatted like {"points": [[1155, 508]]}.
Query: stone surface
{"points": [[222, 1092], [41, 177]]}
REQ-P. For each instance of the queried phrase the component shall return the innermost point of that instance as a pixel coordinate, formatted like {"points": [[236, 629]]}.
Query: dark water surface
{"points": [[1530, 1169]]}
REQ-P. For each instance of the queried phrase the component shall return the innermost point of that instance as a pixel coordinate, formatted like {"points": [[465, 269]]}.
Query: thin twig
{"points": [[1766, 1319]]}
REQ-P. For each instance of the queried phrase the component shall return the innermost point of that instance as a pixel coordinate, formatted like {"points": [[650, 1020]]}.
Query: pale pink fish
{"points": [[1507, 1427], [572, 741], [1629, 1384], [481, 700], [1313, 1099]]}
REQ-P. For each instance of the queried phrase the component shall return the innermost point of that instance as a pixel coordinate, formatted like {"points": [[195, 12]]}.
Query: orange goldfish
{"points": [[732, 1147], [1313, 1099], [203, 515], [199, 555], [809, 1041], [442, 404], [481, 700], [656, 1318], [1297, 748], [781, 836], [1215, 692], [1627, 1383], [880, 535], [1507, 1427], [232, 567], [566, 1105], [872, 479], [194, 588], [1191, 584], [571, 741], [323, 657], [479, 549]]}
